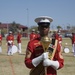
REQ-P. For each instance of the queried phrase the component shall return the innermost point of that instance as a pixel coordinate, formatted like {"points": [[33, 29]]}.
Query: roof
{"points": [[4, 25]]}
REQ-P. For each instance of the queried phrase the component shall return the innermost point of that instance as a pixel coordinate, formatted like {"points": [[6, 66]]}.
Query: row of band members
{"points": [[56, 35], [10, 42], [32, 36]]}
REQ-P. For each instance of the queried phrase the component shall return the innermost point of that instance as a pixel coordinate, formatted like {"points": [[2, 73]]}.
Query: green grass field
{"points": [[14, 65]]}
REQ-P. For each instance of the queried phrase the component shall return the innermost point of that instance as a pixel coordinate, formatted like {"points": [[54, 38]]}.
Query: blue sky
{"points": [[25, 11]]}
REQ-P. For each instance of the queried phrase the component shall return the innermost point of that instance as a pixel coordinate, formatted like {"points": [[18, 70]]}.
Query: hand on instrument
{"points": [[10, 42], [37, 60], [48, 62], [45, 55], [40, 58]]}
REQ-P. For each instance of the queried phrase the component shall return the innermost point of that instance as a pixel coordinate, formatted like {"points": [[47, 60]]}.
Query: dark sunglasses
{"points": [[44, 26]]}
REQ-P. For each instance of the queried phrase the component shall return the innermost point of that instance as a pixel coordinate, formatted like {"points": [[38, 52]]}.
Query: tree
{"points": [[0, 23], [14, 27], [72, 29], [33, 27], [59, 27], [68, 27]]}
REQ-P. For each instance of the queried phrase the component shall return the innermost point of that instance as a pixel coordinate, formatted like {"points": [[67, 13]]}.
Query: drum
{"points": [[66, 50], [14, 49]]}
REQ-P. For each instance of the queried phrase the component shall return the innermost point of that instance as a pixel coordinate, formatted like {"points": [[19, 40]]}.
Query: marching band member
{"points": [[0, 42], [57, 36], [19, 36], [35, 54], [60, 40], [32, 34], [37, 33], [73, 43], [10, 40]]}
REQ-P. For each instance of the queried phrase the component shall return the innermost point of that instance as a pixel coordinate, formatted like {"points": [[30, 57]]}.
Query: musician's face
{"points": [[10, 33], [43, 30]]}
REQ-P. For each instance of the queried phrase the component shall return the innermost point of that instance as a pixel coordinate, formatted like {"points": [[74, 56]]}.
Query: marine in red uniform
{"points": [[19, 36], [60, 40], [0, 43], [10, 41], [58, 37], [35, 54], [0, 37], [37, 34], [33, 35], [73, 43]]}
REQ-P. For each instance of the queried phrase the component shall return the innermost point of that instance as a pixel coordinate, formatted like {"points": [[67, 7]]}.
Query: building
{"points": [[5, 27]]}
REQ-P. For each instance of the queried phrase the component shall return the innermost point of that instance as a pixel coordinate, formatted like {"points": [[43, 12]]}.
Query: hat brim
{"points": [[37, 20]]}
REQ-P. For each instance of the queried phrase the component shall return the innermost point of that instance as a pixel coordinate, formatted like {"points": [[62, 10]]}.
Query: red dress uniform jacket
{"points": [[73, 39], [60, 40], [0, 37], [56, 36], [10, 38], [32, 36], [19, 38], [36, 49]]}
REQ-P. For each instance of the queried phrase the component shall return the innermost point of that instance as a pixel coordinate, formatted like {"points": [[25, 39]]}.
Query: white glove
{"points": [[38, 59], [45, 55], [10, 42], [48, 62]]}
